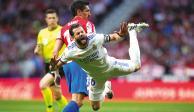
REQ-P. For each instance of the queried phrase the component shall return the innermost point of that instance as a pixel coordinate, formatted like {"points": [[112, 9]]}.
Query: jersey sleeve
{"points": [[102, 38], [64, 57], [90, 28], [58, 35], [65, 36]]}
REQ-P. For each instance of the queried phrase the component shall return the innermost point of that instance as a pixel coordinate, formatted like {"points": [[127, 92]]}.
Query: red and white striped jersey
{"points": [[86, 24]]}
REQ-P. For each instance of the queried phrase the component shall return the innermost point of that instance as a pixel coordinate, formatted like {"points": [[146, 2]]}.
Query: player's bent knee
{"points": [[46, 81], [134, 68], [138, 66], [42, 85]]}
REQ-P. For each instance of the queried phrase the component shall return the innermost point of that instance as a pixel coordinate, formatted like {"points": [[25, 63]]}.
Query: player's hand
{"points": [[53, 64], [52, 68], [123, 29]]}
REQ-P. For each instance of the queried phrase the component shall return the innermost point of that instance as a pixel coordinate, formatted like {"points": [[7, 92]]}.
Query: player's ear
{"points": [[57, 18], [79, 12]]}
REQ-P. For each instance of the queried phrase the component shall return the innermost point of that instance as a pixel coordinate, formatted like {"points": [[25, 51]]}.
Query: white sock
{"points": [[134, 51]]}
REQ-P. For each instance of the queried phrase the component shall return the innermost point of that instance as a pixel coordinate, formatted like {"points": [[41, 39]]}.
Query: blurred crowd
{"points": [[20, 22], [167, 47]]}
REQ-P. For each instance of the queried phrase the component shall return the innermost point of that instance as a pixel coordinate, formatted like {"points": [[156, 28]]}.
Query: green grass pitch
{"points": [[38, 106]]}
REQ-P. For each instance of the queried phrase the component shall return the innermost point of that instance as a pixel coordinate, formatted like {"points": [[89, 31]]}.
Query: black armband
{"points": [[106, 38]]}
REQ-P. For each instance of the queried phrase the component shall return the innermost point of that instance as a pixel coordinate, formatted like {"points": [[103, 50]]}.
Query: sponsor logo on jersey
{"points": [[89, 27], [72, 22], [71, 46], [91, 36], [122, 64], [94, 47], [45, 41], [91, 57]]}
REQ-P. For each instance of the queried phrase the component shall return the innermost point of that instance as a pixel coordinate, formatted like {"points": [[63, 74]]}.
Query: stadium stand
{"points": [[20, 21], [166, 48]]}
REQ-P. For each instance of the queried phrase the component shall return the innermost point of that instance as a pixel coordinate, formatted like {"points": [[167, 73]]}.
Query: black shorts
{"points": [[60, 70]]}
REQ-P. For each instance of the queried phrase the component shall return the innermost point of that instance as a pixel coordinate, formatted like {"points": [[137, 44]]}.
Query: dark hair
{"points": [[51, 10], [78, 5], [73, 26]]}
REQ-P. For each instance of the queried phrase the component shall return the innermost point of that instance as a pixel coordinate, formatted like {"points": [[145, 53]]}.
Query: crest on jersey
{"points": [[94, 47], [45, 41], [89, 27]]}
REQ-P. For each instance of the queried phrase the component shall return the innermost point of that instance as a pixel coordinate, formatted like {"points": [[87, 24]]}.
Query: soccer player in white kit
{"points": [[89, 52]]}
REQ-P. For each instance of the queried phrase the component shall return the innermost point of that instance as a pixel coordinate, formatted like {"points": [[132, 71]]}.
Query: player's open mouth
{"points": [[83, 39]]}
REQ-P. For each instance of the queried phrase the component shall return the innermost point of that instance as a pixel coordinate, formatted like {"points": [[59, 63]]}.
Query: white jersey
{"points": [[93, 59]]}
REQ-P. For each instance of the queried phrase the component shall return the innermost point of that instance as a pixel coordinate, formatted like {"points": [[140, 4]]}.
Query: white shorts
{"points": [[96, 89], [119, 67]]}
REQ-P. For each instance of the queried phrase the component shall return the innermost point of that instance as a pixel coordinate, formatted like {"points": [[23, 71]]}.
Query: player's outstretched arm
{"points": [[118, 35], [57, 48]]}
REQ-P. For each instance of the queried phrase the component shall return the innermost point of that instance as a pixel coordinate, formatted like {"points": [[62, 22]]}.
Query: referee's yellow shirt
{"points": [[47, 40]]}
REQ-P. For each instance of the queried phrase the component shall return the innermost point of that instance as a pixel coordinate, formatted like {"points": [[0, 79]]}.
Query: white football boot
{"points": [[137, 27]]}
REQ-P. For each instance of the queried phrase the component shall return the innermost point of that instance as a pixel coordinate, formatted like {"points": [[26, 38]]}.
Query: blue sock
{"points": [[71, 107]]}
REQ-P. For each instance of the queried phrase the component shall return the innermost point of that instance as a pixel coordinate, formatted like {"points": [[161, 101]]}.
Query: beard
{"points": [[82, 41]]}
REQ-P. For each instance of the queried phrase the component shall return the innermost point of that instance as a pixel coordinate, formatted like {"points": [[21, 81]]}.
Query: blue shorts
{"points": [[76, 78]]}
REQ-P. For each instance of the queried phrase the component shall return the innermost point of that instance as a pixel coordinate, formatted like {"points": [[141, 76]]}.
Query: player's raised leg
{"points": [[134, 51], [126, 66]]}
